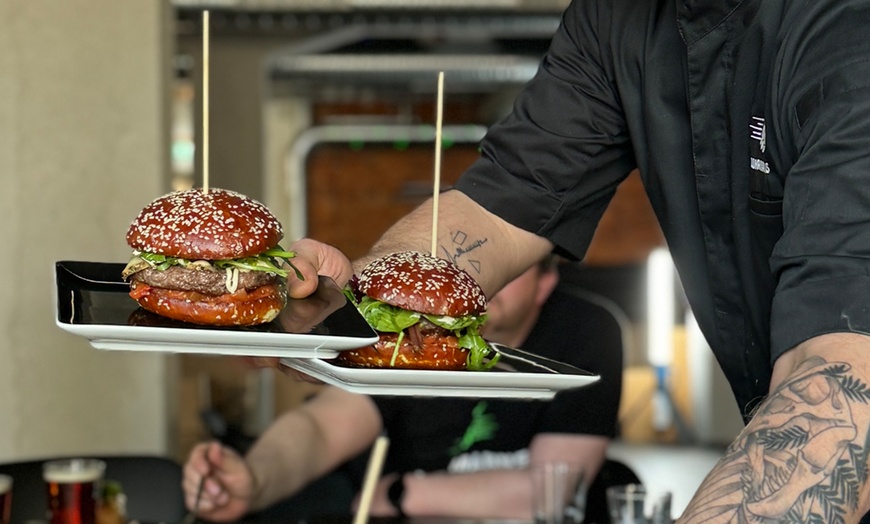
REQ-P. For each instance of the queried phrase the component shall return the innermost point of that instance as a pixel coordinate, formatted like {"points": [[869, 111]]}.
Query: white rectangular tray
{"points": [[503, 381]]}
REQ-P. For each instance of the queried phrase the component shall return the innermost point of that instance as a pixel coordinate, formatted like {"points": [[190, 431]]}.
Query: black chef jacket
{"points": [[750, 124]]}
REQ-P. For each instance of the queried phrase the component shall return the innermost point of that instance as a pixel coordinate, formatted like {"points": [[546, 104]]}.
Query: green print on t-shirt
{"points": [[482, 427]]}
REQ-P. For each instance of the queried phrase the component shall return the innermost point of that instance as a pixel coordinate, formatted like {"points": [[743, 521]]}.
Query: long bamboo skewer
{"points": [[439, 116], [205, 104]]}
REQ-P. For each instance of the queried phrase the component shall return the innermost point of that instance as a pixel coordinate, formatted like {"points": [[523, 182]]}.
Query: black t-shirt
{"points": [[427, 433]]}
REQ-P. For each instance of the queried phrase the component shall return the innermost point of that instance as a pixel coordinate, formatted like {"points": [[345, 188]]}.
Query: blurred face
{"points": [[514, 310], [512, 304]]}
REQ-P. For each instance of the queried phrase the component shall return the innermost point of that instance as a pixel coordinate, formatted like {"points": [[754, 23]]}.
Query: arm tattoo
{"points": [[462, 247], [801, 459]]}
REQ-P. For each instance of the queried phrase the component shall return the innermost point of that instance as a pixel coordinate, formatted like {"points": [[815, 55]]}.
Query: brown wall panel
{"points": [[354, 195]]}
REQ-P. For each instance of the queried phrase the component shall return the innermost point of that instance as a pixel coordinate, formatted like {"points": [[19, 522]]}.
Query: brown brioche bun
{"points": [[242, 308], [419, 282], [195, 225], [206, 226], [437, 352]]}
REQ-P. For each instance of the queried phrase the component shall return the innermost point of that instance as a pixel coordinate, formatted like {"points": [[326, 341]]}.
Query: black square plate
{"points": [[92, 302]]}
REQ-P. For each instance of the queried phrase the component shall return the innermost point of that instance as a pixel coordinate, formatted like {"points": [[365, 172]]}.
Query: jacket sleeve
{"points": [[552, 166]]}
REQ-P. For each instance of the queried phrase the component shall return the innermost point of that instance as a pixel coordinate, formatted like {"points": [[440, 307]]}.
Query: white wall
{"points": [[82, 149]]}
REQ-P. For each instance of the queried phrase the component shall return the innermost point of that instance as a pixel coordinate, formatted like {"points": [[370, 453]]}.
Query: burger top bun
{"points": [[195, 225], [419, 282]]}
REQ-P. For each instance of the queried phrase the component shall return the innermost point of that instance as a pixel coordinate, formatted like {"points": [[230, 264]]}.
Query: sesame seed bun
{"points": [[195, 225], [419, 282]]}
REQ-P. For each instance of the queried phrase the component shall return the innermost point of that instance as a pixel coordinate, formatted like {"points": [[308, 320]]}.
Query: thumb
{"points": [[214, 455]]}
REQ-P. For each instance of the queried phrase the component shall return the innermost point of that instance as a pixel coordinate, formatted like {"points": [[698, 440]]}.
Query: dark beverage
{"points": [[73, 489], [5, 499]]}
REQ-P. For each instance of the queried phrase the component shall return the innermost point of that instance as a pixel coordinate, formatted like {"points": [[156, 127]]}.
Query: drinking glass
{"points": [[74, 487], [634, 504], [558, 493], [5, 499]]}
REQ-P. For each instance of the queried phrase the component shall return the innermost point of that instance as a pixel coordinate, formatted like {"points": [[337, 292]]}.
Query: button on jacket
{"points": [[750, 124]]}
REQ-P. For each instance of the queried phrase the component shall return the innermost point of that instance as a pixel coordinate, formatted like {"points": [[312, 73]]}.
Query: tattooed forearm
{"points": [[802, 458], [462, 247]]}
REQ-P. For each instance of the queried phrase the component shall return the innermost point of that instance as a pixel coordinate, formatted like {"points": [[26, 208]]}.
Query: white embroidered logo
{"points": [[757, 131]]}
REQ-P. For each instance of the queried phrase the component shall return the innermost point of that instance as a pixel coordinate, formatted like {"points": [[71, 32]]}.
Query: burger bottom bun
{"points": [[242, 308], [437, 352]]}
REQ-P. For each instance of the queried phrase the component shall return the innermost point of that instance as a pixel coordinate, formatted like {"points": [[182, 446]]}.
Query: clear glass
{"points": [[633, 504], [558, 493]]}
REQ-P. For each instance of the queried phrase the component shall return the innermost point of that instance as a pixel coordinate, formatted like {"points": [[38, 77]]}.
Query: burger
{"points": [[427, 312], [208, 257]]}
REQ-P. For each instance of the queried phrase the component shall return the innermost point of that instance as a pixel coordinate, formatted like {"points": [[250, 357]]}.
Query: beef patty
{"points": [[201, 280]]}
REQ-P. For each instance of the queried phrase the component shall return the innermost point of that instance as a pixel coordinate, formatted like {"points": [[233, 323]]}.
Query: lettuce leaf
{"points": [[269, 261]]}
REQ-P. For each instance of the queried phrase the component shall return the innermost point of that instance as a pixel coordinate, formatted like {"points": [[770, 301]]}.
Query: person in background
{"points": [[749, 122], [447, 456]]}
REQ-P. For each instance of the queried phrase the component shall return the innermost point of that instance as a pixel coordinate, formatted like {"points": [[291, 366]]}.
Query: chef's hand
{"points": [[229, 483], [275, 363], [315, 258]]}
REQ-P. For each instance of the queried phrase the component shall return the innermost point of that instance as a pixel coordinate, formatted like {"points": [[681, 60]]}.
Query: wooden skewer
{"points": [[437, 185], [373, 474], [205, 60]]}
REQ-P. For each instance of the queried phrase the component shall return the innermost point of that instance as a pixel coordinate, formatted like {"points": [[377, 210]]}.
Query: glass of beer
{"points": [[5, 499], [73, 490]]}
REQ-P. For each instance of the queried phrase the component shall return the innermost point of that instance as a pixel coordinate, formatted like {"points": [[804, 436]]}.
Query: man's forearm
{"points": [[804, 455], [310, 441], [280, 460], [504, 494], [488, 248]]}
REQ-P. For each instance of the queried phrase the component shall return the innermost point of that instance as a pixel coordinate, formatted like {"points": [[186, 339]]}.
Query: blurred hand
{"points": [[229, 484], [275, 363], [315, 258]]}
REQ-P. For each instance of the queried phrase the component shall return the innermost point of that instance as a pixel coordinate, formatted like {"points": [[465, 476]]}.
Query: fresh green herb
{"points": [[384, 317], [111, 489], [269, 261]]}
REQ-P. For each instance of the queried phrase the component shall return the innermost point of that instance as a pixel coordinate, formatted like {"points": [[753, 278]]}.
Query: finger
{"points": [[334, 264], [208, 493], [307, 263], [206, 505], [196, 465], [326, 260], [214, 455]]}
